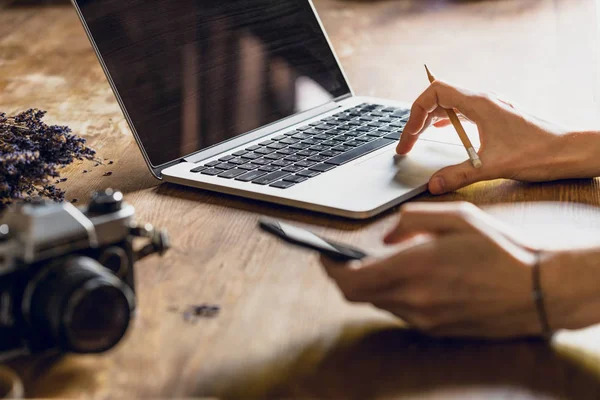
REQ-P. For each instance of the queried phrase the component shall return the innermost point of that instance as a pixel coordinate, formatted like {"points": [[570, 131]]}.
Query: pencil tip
{"points": [[429, 74]]}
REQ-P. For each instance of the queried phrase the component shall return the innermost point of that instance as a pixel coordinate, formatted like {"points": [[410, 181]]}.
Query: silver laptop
{"points": [[247, 97]]}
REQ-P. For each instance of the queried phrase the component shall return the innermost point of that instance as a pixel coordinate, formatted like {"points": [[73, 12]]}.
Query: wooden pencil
{"points": [[460, 130]]}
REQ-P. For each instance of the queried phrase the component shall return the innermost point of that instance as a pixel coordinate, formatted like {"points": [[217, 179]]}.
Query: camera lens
{"points": [[80, 304]]}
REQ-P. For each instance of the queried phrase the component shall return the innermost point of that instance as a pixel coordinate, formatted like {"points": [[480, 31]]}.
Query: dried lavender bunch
{"points": [[31, 154]]}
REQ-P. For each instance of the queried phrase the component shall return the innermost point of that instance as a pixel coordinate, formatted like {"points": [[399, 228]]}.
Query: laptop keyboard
{"points": [[296, 156]]}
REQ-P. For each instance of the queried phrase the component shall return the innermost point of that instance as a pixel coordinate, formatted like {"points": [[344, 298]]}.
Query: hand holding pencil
{"points": [[460, 130], [514, 144]]}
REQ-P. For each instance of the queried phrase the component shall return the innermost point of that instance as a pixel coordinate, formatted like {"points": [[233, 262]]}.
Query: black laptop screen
{"points": [[194, 73]]}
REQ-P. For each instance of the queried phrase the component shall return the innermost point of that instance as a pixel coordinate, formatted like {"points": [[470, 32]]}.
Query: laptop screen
{"points": [[194, 73]]}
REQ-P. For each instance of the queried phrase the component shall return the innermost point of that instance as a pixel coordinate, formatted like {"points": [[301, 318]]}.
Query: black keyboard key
{"points": [[269, 168], [401, 113], [282, 163], [318, 158], [295, 178], [354, 143], [322, 167], [304, 128], [248, 167], [365, 139], [282, 184], [274, 156], [323, 127], [292, 168], [250, 176], [320, 148], [270, 178], [377, 133], [312, 131], [378, 114], [386, 120], [400, 125], [332, 132], [286, 152], [289, 141], [312, 142], [386, 129], [225, 166], [262, 161], [212, 171], [238, 161], [240, 153], [375, 124], [342, 149], [252, 148], [294, 158], [264, 150], [305, 164], [394, 135], [308, 173], [291, 133], [212, 163], [360, 151], [344, 128], [251, 156], [329, 143], [199, 169], [307, 153], [226, 158], [277, 146], [266, 143], [364, 129], [321, 137], [232, 173], [341, 138], [280, 137], [300, 146], [301, 136]]}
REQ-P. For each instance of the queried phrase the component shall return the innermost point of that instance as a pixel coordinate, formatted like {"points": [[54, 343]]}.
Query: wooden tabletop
{"points": [[284, 330]]}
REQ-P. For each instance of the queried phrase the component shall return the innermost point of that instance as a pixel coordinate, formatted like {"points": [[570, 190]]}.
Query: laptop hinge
{"points": [[258, 133]]}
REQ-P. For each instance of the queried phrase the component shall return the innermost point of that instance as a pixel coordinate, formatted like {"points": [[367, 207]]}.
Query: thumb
{"points": [[454, 177]]}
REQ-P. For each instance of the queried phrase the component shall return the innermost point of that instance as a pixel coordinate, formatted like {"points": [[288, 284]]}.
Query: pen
{"points": [[460, 130]]}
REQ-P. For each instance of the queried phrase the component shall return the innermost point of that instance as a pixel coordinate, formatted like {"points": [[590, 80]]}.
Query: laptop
{"points": [[247, 97]]}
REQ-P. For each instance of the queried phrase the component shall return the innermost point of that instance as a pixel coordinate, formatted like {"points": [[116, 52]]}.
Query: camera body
{"points": [[67, 274]]}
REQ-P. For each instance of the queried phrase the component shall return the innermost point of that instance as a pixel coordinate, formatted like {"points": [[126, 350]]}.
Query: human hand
{"points": [[514, 145], [459, 274]]}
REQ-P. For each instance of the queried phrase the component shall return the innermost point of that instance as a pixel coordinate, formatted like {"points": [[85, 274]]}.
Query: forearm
{"points": [[570, 282], [575, 155]]}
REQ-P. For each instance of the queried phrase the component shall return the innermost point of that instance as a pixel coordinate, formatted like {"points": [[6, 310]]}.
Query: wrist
{"points": [[569, 285]]}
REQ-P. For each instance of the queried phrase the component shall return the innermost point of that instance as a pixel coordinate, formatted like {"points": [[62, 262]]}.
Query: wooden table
{"points": [[284, 330]]}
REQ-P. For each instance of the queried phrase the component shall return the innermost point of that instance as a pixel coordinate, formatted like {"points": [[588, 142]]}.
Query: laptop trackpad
{"points": [[422, 162]]}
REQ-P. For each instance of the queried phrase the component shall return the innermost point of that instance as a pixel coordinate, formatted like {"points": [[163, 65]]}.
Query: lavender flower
{"points": [[32, 153]]}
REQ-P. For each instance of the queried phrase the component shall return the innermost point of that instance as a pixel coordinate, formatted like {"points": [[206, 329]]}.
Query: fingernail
{"points": [[437, 185]]}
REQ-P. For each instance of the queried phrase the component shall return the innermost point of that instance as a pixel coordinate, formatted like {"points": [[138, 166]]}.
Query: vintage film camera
{"points": [[67, 274]]}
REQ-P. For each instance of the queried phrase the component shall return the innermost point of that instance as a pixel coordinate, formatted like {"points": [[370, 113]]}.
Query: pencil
{"points": [[460, 130]]}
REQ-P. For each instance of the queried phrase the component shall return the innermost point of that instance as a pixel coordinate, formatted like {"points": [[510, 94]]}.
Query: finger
{"points": [[432, 218], [446, 96], [455, 177], [433, 101], [408, 140]]}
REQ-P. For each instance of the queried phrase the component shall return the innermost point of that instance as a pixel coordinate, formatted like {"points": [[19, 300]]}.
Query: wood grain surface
{"points": [[284, 330]]}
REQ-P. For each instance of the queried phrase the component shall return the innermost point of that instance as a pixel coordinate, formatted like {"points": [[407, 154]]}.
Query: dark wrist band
{"points": [[538, 298]]}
